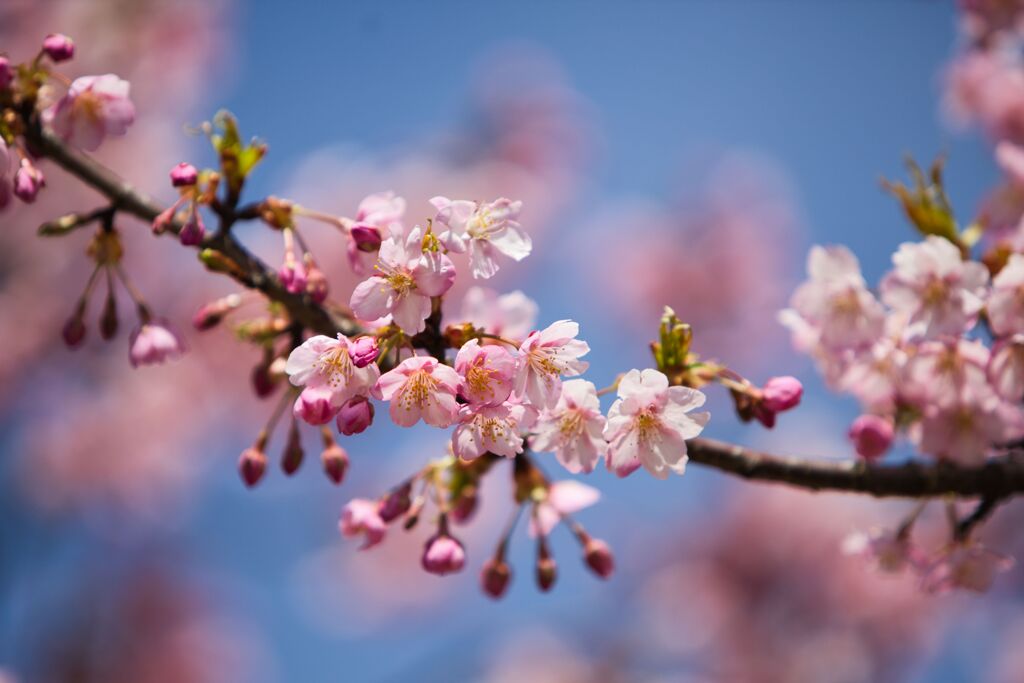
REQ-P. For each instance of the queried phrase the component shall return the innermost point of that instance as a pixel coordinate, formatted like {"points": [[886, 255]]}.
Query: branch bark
{"points": [[999, 478]]}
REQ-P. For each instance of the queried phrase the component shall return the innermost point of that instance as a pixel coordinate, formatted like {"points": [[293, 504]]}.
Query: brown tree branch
{"points": [[998, 479]]}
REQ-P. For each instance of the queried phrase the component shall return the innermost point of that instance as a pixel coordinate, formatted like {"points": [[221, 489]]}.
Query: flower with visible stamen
{"points": [[485, 229], [93, 108], [486, 428], [546, 356], [649, 424], [574, 428], [420, 388], [322, 362], [406, 278], [487, 373]]}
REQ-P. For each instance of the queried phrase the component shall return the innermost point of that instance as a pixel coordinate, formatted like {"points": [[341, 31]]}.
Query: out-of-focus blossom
{"points": [[1006, 368], [780, 394], [154, 342], [1005, 309], [872, 436], [93, 108], [184, 175], [649, 423], [574, 428], [360, 517], [487, 373], [407, 278], [888, 551], [942, 373], [6, 72], [875, 375], [6, 181], [484, 229], [939, 292], [563, 498], [969, 566], [58, 47], [378, 217], [835, 304], [546, 356], [511, 315], [420, 388], [966, 431], [192, 231], [28, 181], [986, 87]]}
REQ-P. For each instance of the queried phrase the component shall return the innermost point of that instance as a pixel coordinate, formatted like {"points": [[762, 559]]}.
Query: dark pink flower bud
{"points": [[763, 415], [355, 416], [108, 322], [263, 382], [871, 436], [252, 465], [781, 393], [184, 175], [211, 314], [74, 328], [364, 350], [28, 181], [335, 462], [465, 505], [292, 275], [547, 573], [397, 503], [366, 237], [599, 557], [6, 72], [495, 577], [193, 231], [313, 406], [316, 284], [443, 554], [58, 47], [291, 460]]}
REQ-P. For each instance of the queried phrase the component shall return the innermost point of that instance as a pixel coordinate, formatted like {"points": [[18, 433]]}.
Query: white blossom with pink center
{"points": [[324, 366], [546, 356], [420, 388], [93, 108], [649, 424], [485, 229], [511, 315]]}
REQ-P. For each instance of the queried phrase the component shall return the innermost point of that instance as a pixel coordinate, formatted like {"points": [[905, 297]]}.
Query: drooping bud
{"points": [[154, 342], [366, 237], [355, 416], [316, 283], [28, 181], [599, 557], [293, 453], [263, 381], [313, 406], [495, 577], [443, 554], [184, 175], [164, 220], [465, 504], [6, 72], [334, 459], [397, 503], [58, 47], [74, 328], [871, 436], [253, 463], [193, 231], [781, 393], [292, 274], [108, 322], [211, 314], [547, 573], [364, 350]]}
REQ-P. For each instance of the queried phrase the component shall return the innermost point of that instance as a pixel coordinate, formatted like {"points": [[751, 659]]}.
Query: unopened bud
{"points": [[599, 557], [28, 181], [547, 573], [263, 381], [58, 47], [443, 554], [74, 328], [366, 237], [871, 436], [397, 503], [364, 350], [193, 231], [252, 465], [108, 322], [335, 462], [465, 504], [316, 283], [495, 577], [293, 453], [355, 415], [6, 72], [184, 175], [781, 393], [211, 314]]}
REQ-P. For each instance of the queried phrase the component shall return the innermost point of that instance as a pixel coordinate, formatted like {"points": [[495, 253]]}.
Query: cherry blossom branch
{"points": [[251, 272], [999, 478]]}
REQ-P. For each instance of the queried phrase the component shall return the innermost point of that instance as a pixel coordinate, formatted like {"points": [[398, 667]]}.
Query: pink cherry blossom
{"points": [[563, 498], [939, 291], [834, 307], [970, 566], [443, 554], [93, 108], [889, 551], [941, 373], [874, 376], [420, 388], [511, 315], [487, 373], [780, 394], [378, 217], [28, 181], [406, 279], [154, 342], [649, 423], [360, 517], [966, 431], [316, 405], [484, 229], [544, 357], [364, 350], [1010, 158], [872, 436], [322, 363], [574, 428], [489, 428], [1006, 368], [355, 416], [1006, 302]]}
